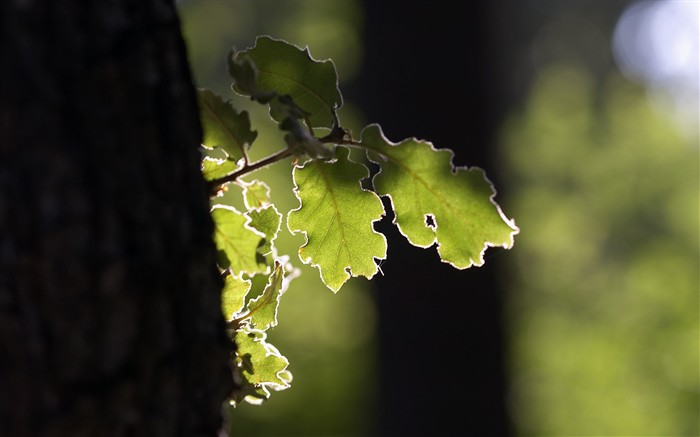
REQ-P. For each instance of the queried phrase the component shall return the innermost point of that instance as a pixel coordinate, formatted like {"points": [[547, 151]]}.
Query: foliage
{"points": [[433, 202]]}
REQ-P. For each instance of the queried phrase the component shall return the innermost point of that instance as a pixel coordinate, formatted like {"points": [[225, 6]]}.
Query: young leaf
{"points": [[233, 295], [288, 70], [435, 202], [213, 168], [256, 194], [263, 309], [244, 73], [223, 126], [267, 221], [336, 215], [261, 363], [237, 240], [254, 395]]}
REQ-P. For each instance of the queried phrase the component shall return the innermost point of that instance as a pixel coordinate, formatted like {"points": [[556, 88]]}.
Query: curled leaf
{"points": [[287, 70]]}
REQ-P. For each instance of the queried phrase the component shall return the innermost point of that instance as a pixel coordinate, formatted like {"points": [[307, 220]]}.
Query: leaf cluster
{"points": [[434, 202]]}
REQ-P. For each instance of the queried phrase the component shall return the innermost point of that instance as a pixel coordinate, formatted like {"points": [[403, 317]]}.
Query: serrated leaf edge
{"points": [[270, 350], [454, 169], [246, 224], [237, 313], [240, 144], [247, 185], [271, 241], [306, 51], [307, 261], [276, 279]]}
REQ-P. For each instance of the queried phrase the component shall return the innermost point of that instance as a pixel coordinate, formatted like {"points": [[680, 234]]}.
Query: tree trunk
{"points": [[110, 320]]}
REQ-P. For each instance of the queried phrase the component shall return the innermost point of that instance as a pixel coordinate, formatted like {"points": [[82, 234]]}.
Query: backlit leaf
{"points": [[213, 168], [263, 309], [243, 72], [237, 240], [223, 126], [336, 215], [233, 295], [261, 363], [267, 221], [435, 202], [256, 194], [288, 70]]}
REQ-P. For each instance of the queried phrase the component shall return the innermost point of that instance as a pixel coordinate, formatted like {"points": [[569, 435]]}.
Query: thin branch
{"points": [[215, 185]]}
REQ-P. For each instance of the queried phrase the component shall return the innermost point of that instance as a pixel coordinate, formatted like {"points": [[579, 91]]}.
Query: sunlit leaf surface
{"points": [[336, 215], [435, 202]]}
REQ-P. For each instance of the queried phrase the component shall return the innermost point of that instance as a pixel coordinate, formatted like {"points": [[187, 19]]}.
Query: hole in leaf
{"points": [[430, 221]]}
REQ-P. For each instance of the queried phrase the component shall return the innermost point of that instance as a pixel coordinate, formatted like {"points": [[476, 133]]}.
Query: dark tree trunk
{"points": [[110, 320]]}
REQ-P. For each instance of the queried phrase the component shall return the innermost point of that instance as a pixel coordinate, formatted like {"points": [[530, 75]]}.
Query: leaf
{"points": [[243, 72], [263, 309], [264, 217], [223, 126], [425, 189], [256, 194], [213, 168], [267, 221], [259, 367], [283, 107], [261, 362], [233, 295], [288, 70], [336, 215], [254, 395], [237, 240]]}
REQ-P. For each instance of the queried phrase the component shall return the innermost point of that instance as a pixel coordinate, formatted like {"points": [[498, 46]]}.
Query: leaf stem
{"points": [[215, 184]]}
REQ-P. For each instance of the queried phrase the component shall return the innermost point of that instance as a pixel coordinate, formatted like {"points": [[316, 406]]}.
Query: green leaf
{"points": [[283, 107], [263, 309], [288, 70], [233, 295], [237, 240], [267, 221], [213, 168], [435, 202], [261, 363], [336, 215], [256, 194], [252, 394], [243, 72], [223, 126]]}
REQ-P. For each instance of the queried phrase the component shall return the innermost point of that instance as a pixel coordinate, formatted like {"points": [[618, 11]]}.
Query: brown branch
{"points": [[215, 185]]}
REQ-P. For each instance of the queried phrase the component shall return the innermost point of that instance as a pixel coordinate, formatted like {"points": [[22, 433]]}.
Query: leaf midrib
{"points": [[417, 177], [337, 212]]}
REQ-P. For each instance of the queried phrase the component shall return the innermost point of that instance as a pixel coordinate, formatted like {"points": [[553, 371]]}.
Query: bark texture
{"points": [[110, 320]]}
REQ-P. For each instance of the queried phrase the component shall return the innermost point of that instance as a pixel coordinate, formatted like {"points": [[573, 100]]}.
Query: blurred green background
{"points": [[598, 162]]}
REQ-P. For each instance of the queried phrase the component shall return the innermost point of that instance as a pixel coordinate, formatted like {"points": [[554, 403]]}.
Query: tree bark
{"points": [[110, 320]]}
